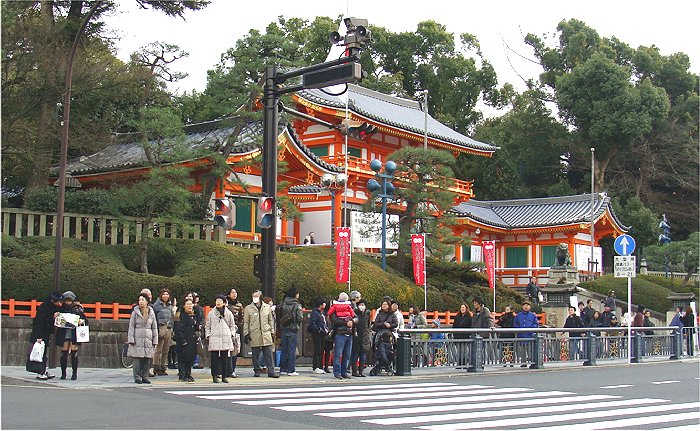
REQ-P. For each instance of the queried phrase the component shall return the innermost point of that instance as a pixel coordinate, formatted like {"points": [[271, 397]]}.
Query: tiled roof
{"points": [[304, 189], [394, 111], [211, 136], [541, 212], [314, 158]]}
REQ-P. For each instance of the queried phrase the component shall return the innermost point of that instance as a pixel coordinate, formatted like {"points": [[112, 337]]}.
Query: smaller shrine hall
{"points": [[326, 174]]}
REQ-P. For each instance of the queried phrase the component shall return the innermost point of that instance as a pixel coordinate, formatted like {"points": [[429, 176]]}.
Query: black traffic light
{"points": [[225, 213], [266, 212], [257, 265]]}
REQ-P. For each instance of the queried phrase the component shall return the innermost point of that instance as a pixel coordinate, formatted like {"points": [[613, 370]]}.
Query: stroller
{"points": [[384, 348]]}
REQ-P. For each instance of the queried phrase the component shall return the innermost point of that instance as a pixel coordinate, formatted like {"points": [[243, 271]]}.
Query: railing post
{"points": [[537, 353], [403, 355], [590, 350], [676, 344], [115, 310], [98, 310], [11, 307], [477, 355], [636, 348]]}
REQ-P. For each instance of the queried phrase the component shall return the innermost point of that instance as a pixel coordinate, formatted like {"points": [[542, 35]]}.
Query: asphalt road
{"points": [[643, 396]]}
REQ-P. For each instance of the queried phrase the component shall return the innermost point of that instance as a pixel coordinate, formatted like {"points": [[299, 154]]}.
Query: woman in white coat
{"points": [[220, 328]]}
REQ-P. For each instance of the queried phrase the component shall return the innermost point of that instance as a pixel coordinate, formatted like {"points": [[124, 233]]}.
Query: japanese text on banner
{"points": [[342, 255], [490, 261], [418, 249]]}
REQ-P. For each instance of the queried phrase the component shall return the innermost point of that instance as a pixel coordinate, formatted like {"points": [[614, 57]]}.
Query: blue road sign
{"points": [[625, 245]]}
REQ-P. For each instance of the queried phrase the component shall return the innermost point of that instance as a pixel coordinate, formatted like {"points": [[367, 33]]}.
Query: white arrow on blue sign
{"points": [[625, 245]]}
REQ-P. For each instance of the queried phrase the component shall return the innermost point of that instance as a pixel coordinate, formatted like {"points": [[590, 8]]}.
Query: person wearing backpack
{"points": [[289, 320]]}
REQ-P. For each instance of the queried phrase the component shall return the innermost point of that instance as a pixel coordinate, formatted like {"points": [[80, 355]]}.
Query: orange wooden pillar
{"points": [[284, 228], [338, 212], [297, 231], [458, 253]]}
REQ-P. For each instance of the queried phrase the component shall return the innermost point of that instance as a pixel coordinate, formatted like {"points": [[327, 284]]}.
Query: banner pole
{"points": [[349, 256], [425, 278], [495, 253]]}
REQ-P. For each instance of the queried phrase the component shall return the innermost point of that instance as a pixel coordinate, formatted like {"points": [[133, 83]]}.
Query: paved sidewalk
{"points": [[105, 378]]}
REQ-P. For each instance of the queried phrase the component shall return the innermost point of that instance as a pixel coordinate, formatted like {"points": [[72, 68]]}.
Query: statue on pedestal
{"points": [[563, 258]]}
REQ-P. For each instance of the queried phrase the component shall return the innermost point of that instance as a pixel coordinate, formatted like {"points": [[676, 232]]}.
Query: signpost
{"points": [[625, 266]]}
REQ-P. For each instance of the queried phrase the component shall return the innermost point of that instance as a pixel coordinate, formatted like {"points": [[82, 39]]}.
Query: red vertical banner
{"points": [[342, 254], [490, 261], [418, 251]]}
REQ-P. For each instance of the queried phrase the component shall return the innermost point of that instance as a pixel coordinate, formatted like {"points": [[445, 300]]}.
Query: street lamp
{"points": [[387, 191], [333, 183]]}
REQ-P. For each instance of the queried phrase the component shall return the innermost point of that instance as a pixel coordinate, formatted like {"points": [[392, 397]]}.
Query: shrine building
{"points": [[526, 231]]}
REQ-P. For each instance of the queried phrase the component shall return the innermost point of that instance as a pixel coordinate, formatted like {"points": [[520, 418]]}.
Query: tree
{"points": [[163, 194], [37, 37], [642, 221], [682, 256], [532, 142], [422, 181]]}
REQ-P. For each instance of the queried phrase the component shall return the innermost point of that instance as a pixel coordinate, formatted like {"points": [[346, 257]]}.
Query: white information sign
{"points": [[625, 266]]}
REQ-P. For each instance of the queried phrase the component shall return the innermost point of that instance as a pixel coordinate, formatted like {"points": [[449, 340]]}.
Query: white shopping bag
{"points": [[37, 354], [82, 334], [63, 319]]}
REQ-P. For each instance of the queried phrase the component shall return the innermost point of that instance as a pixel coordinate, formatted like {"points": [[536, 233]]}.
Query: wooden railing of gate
{"points": [[103, 229]]}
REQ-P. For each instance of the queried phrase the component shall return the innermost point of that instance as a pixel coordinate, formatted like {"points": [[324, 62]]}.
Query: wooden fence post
{"points": [[98, 310], [11, 307]]}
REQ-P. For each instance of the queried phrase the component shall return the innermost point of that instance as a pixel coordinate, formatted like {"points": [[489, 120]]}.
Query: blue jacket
{"points": [[525, 320], [677, 321], [317, 323]]}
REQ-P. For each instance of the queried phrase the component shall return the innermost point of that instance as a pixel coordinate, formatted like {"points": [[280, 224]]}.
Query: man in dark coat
{"points": [[42, 327], [290, 318], [532, 290], [574, 321]]}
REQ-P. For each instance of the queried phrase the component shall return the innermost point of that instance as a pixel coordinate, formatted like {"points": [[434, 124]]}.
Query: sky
{"points": [[670, 25]]}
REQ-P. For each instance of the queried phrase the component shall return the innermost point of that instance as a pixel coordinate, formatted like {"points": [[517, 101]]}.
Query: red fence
{"points": [[115, 310]]}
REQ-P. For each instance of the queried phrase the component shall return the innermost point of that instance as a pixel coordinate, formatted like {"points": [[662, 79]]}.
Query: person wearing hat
{"points": [[220, 328], [42, 327], [606, 315], [525, 319], [66, 338], [290, 319], [164, 315]]}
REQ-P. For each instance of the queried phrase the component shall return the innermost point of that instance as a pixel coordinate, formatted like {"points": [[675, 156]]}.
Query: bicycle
{"points": [[125, 360]]}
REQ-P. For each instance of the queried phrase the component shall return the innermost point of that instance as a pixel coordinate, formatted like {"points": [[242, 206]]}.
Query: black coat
{"points": [[385, 317], [462, 321], [42, 325], [185, 327], [68, 334], [574, 322]]}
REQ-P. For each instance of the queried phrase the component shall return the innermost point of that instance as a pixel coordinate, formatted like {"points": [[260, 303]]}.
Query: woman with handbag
{"points": [[185, 328], [142, 338], [318, 330], [66, 337], [220, 329]]}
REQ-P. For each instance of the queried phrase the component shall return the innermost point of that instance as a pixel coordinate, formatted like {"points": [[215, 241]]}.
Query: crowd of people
{"points": [[162, 334]]}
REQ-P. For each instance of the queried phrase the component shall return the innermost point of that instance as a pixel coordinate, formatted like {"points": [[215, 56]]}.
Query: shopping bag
{"points": [[66, 320], [36, 367], [236, 338], [37, 353], [82, 334]]}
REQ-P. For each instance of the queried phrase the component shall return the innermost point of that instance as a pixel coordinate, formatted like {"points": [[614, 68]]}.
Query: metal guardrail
{"points": [[502, 346]]}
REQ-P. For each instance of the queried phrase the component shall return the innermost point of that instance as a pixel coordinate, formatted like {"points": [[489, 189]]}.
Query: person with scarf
{"points": [[142, 338], [185, 336]]}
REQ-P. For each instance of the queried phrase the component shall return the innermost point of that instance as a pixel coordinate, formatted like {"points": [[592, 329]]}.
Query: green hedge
{"points": [[651, 291], [107, 273]]}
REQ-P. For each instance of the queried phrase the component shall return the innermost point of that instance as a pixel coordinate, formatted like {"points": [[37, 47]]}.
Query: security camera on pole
{"points": [[625, 266], [343, 70]]}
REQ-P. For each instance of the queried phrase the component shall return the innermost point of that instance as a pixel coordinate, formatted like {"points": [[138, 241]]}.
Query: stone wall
{"points": [[103, 350]]}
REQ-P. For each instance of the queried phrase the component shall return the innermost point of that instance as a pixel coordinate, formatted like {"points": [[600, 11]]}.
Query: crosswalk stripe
{"points": [[692, 427], [665, 382], [616, 386], [563, 418], [294, 390], [518, 412], [366, 396], [475, 395], [308, 392], [607, 424], [464, 403]]}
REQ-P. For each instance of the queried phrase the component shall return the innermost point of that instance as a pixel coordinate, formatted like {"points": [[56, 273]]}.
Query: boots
{"points": [[361, 369], [355, 373], [74, 365], [64, 364]]}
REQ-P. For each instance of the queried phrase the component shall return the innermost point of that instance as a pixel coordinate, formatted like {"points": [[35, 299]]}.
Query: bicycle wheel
{"points": [[126, 361]]}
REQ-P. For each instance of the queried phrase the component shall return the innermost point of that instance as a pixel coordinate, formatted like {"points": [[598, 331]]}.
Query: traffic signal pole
{"points": [[269, 180]]}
